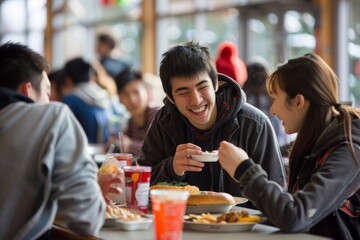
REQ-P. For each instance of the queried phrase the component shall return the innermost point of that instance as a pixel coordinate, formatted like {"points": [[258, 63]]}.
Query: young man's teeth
{"points": [[199, 109]]}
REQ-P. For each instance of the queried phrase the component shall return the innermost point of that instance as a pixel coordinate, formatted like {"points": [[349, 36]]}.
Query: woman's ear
{"points": [[299, 102], [169, 98]]}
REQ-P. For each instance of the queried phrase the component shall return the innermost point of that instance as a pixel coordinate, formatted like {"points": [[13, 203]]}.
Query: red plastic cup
{"points": [[137, 186], [168, 207], [124, 159]]}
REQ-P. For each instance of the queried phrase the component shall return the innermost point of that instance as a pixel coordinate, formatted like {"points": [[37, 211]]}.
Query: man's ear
{"points": [[25, 88], [169, 98]]}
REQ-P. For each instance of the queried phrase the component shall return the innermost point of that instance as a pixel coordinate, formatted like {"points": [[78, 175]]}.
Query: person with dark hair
{"points": [[203, 108], [45, 169], [104, 46], [88, 101], [56, 78], [323, 196], [19, 63], [133, 93]]}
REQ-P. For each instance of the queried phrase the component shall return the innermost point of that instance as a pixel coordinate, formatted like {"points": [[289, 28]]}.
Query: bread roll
{"points": [[210, 198], [189, 188]]}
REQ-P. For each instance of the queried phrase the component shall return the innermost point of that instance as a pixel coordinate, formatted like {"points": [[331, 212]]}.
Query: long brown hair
{"points": [[314, 79]]}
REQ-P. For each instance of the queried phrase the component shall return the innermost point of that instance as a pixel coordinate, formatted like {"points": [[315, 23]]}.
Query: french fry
{"points": [[208, 217], [249, 218], [225, 218]]}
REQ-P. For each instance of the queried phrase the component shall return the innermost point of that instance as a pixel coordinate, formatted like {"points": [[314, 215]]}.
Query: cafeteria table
{"points": [[259, 231]]}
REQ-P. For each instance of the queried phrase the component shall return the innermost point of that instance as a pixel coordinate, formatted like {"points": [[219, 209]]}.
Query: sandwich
{"points": [[210, 198], [182, 186], [196, 196]]}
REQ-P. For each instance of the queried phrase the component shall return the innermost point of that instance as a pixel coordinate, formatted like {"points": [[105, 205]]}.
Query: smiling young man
{"points": [[202, 109]]}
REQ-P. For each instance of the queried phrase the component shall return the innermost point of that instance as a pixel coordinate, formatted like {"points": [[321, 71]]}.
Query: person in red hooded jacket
{"points": [[228, 62]]}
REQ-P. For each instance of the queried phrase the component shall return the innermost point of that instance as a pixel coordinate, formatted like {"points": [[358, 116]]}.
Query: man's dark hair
{"points": [[107, 39], [187, 60], [78, 70], [56, 78], [20, 64], [126, 76]]}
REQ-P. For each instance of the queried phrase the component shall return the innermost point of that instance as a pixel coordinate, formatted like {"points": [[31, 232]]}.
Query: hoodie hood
{"points": [[9, 96], [229, 100], [92, 94]]}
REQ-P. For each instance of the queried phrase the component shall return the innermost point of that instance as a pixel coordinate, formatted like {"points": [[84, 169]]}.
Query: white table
{"points": [[260, 231]]}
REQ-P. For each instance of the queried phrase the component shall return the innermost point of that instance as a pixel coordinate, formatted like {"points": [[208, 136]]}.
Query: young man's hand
{"points": [[183, 161]]}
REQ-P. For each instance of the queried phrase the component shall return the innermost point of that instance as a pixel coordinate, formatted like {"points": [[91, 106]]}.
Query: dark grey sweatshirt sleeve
{"points": [[324, 193]]}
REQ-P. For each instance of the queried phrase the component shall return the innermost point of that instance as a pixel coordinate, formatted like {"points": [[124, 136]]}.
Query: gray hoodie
{"points": [[45, 170]]}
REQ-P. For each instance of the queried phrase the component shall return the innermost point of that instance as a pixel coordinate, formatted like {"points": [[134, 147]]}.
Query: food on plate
{"points": [[240, 216], [182, 186], [229, 217], [206, 156], [121, 213], [212, 152], [197, 197], [210, 198]]}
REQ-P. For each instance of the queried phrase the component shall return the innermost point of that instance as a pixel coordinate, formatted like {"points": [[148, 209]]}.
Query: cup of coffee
{"points": [[137, 186], [168, 207]]}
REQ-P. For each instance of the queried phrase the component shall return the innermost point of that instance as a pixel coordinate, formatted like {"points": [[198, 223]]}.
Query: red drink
{"points": [[168, 207], [137, 186], [124, 159]]}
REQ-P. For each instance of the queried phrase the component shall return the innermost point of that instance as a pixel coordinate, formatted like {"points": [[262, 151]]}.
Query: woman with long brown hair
{"points": [[323, 194]]}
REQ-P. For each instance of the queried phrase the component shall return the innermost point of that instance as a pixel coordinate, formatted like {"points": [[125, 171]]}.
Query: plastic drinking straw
{"points": [[111, 149], [121, 142]]}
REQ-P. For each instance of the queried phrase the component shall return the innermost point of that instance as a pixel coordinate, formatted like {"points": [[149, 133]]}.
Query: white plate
{"points": [[141, 224], [206, 157], [215, 208], [219, 227]]}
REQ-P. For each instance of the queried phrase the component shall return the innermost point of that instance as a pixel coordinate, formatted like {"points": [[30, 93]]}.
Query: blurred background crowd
{"points": [[102, 49]]}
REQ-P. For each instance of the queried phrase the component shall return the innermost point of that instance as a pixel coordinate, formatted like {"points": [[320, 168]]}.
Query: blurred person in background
{"points": [[134, 94], [229, 63], [323, 196], [88, 101], [104, 47], [256, 94], [45, 169], [104, 80], [56, 78], [156, 92]]}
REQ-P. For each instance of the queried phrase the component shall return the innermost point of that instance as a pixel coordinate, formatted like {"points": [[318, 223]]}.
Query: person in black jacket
{"points": [[203, 108], [324, 195]]}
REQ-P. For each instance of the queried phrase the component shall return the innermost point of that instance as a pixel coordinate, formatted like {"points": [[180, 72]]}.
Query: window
{"points": [[354, 53], [77, 22], [23, 21]]}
